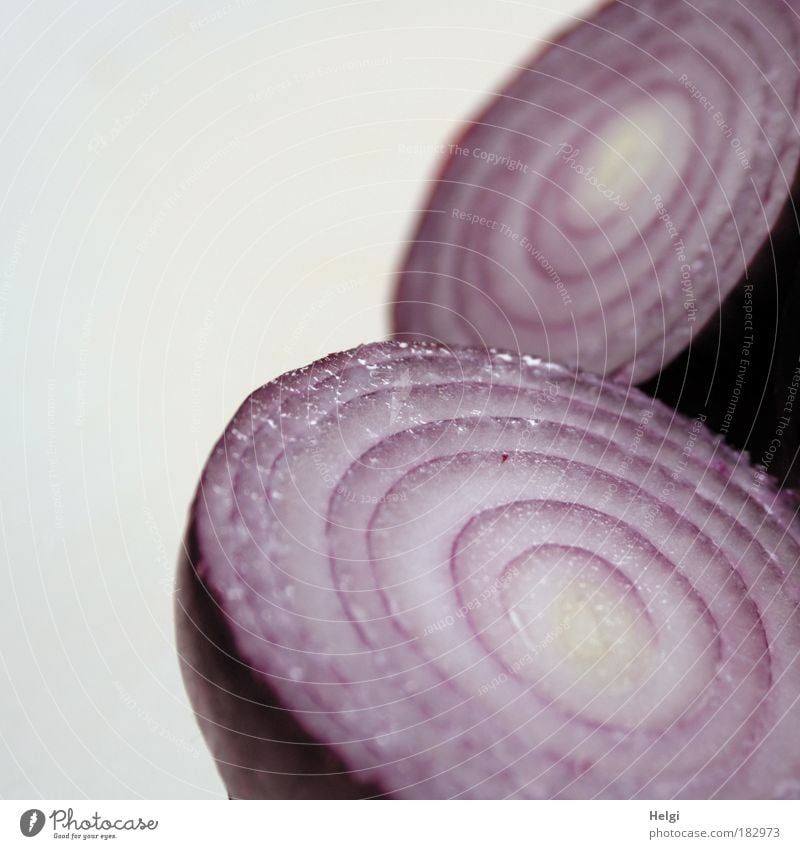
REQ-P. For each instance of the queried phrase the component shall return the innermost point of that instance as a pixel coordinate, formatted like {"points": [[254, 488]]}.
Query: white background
{"points": [[194, 197]]}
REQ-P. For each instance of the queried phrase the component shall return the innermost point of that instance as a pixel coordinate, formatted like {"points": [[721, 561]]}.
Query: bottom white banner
{"points": [[402, 824]]}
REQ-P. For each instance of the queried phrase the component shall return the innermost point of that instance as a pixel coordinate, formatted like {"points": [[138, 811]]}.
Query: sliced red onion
{"points": [[422, 572], [617, 190]]}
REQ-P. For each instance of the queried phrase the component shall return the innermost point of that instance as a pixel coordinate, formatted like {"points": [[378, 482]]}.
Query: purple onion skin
{"points": [[260, 750], [550, 515], [466, 284]]}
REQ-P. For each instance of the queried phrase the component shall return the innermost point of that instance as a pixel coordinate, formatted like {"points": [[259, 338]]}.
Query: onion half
{"points": [[618, 190], [420, 572]]}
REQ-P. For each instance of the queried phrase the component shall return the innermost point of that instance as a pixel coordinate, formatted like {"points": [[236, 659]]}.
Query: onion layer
{"points": [[616, 191], [469, 574]]}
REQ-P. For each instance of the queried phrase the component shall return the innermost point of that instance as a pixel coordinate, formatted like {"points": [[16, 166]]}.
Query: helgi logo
{"points": [[31, 822]]}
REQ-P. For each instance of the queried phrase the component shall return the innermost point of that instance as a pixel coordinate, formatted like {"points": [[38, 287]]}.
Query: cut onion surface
{"points": [[617, 191], [415, 571]]}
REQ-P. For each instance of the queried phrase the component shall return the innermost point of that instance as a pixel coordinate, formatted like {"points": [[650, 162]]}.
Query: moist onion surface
{"points": [[470, 574], [617, 190]]}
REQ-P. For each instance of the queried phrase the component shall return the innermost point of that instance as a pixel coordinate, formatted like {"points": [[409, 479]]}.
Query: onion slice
{"points": [[618, 190], [431, 572]]}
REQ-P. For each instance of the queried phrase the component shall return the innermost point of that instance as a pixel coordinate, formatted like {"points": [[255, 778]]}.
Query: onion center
{"points": [[582, 629], [632, 157], [572, 624]]}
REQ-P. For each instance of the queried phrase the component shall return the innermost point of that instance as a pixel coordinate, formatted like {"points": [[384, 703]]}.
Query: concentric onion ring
{"points": [[470, 574], [615, 192]]}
